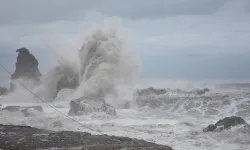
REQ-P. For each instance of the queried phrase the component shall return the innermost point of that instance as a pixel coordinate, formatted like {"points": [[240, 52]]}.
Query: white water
{"points": [[177, 123]]}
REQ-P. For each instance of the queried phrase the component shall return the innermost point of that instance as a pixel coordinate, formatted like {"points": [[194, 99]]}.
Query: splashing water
{"points": [[103, 63]]}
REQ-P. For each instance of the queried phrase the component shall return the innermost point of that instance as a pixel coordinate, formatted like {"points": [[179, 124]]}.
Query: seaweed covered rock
{"points": [[84, 106], [225, 124], [26, 67]]}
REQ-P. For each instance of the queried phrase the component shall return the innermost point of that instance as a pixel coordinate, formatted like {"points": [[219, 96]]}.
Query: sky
{"points": [[193, 39]]}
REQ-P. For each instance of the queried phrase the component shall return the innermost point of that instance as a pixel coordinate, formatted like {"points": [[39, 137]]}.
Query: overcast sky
{"points": [[173, 38]]}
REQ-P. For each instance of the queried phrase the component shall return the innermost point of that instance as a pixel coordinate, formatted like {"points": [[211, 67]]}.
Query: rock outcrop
{"points": [[84, 106], [26, 67], [28, 138], [225, 124]]}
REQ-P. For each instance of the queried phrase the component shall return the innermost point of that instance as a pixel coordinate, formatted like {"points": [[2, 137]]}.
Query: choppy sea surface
{"points": [[175, 118]]}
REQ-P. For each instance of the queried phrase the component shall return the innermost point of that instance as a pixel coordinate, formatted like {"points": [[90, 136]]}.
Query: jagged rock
{"points": [[84, 105], [225, 123], [28, 138], [3, 90], [210, 127], [151, 90], [26, 67]]}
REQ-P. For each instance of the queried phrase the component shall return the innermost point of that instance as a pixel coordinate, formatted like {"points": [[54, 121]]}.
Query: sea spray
{"points": [[103, 63]]}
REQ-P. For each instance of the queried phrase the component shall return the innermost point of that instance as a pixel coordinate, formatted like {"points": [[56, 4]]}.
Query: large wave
{"points": [[102, 65]]}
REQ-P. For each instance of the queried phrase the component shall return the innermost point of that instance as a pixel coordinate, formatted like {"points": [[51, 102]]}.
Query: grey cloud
{"points": [[171, 37], [197, 66], [30, 11]]}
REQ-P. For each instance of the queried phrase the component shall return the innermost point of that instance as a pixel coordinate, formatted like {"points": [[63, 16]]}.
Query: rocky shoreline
{"points": [[13, 137]]}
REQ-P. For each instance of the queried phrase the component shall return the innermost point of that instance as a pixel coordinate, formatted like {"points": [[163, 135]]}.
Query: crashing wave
{"points": [[104, 65]]}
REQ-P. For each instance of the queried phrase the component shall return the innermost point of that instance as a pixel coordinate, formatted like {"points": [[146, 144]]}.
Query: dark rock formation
{"points": [[26, 66], [3, 90], [225, 123], [29, 138], [84, 105]]}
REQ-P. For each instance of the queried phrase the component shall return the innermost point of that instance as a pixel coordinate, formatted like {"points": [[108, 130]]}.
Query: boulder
{"points": [[84, 106], [225, 124], [26, 67], [13, 137]]}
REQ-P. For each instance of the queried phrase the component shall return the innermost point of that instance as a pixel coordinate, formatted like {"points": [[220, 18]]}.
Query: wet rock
{"points": [[29, 138], [225, 123], [230, 121], [84, 106], [26, 67], [3, 90], [210, 127]]}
